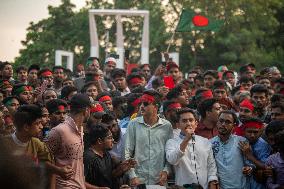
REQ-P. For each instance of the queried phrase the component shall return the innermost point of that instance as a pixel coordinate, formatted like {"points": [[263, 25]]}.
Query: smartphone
{"points": [[169, 82]]}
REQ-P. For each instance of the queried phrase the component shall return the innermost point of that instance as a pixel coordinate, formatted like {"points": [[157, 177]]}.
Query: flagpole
{"points": [[171, 41]]}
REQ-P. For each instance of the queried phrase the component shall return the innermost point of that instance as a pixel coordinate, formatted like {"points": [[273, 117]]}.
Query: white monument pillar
{"points": [[58, 58], [145, 41], [94, 51], [119, 42]]}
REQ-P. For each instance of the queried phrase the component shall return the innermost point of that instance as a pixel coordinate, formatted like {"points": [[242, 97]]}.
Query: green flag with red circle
{"points": [[191, 21]]}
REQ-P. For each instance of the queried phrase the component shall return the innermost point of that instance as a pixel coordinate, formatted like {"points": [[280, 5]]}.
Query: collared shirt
{"points": [[123, 124], [197, 160], [125, 92], [65, 142], [261, 151], [203, 131], [118, 148], [230, 162], [277, 163], [146, 144]]}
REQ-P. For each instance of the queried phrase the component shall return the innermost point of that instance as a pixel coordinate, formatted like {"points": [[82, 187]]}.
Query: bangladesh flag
{"points": [[190, 21]]}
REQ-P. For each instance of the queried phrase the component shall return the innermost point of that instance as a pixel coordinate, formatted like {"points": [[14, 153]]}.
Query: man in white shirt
{"points": [[191, 155]]}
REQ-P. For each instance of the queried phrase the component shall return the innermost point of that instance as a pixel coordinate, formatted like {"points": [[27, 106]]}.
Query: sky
{"points": [[15, 16]]}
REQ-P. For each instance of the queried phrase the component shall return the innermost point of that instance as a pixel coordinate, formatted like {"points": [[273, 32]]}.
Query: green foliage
{"points": [[253, 33]]}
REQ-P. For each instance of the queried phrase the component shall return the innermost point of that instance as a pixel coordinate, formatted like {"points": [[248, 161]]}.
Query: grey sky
{"points": [[15, 16]]}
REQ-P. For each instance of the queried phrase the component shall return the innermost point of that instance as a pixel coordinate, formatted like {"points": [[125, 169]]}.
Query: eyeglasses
{"points": [[227, 122]]}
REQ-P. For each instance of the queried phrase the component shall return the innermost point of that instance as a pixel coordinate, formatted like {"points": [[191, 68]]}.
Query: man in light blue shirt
{"points": [[146, 137], [231, 164]]}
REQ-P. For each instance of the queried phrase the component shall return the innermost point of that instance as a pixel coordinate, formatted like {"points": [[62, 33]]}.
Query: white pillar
{"points": [[119, 42], [145, 41], [94, 51]]}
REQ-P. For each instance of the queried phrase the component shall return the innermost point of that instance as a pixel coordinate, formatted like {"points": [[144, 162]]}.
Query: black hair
{"points": [[107, 118], [279, 80], [213, 73], [274, 127], [157, 82], [21, 68], [52, 105], [205, 106], [105, 93], [34, 67], [220, 84], [26, 115], [264, 71], [226, 72], [279, 140], [243, 68], [117, 72], [57, 68], [175, 92], [117, 100], [276, 98], [3, 64], [186, 110], [234, 115], [246, 79], [166, 103], [67, 90], [130, 99], [278, 105], [258, 88], [133, 75], [97, 131], [87, 85]]}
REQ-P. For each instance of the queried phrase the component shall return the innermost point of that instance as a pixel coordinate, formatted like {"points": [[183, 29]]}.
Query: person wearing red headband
{"points": [[135, 80], [256, 150], [46, 76], [106, 99], [145, 141], [57, 109], [173, 70], [24, 92], [220, 89], [170, 109]]}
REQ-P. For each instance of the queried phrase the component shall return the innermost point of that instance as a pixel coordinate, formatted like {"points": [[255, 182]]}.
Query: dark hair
{"points": [[67, 90], [58, 68], [213, 73], [133, 75], [42, 71], [278, 105], [105, 93], [279, 80], [106, 118], [131, 98], [276, 98], [155, 94], [166, 103], [33, 67], [157, 83], [220, 84], [26, 115], [258, 88], [97, 131], [117, 100], [117, 72], [87, 85], [205, 106], [264, 71], [175, 92], [2, 66], [246, 79], [274, 127], [186, 110], [52, 105], [21, 68], [226, 72], [234, 115], [279, 140]]}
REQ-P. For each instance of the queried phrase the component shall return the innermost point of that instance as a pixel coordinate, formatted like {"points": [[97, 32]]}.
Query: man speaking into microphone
{"points": [[191, 155]]}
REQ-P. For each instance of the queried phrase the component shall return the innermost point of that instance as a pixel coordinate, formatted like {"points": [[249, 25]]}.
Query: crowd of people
{"points": [[102, 127]]}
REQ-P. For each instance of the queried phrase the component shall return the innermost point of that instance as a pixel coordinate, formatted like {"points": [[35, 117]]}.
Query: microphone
{"points": [[193, 136]]}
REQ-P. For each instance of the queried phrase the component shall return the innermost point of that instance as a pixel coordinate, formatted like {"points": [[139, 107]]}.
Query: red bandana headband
{"points": [[247, 104], [46, 73], [97, 108], [171, 65], [23, 89], [105, 98], [136, 102], [253, 124], [207, 94], [174, 106], [147, 98], [61, 108], [135, 81]]}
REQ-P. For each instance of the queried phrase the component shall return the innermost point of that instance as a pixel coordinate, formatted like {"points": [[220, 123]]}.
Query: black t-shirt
{"points": [[98, 170]]}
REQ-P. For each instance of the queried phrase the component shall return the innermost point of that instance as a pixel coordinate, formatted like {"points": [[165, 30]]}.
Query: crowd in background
{"points": [[103, 127]]}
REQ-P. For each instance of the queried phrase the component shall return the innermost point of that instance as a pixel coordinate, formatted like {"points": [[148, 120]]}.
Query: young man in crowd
{"points": [[6, 71], [118, 77], [57, 110], [22, 75], [170, 109], [101, 170], [220, 90], [179, 95], [191, 164], [229, 77], [59, 76], [65, 142], [277, 111], [150, 156], [209, 111], [210, 76], [32, 75], [231, 165], [255, 150], [246, 82]]}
